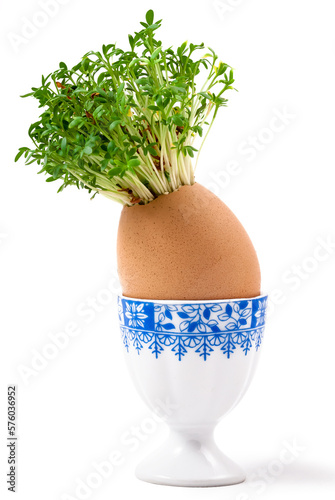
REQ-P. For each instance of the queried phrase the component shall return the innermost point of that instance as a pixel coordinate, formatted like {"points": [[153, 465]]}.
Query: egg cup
{"points": [[191, 362]]}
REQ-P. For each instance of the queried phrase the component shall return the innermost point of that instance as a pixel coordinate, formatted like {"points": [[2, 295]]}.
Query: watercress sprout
{"points": [[122, 123]]}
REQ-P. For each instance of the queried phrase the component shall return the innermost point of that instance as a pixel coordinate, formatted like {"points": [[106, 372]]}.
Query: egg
{"points": [[185, 245]]}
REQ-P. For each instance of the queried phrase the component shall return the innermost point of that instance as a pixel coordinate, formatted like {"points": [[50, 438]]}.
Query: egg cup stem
{"points": [[190, 457]]}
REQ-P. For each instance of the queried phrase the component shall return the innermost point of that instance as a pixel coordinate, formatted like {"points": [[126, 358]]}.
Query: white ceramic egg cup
{"points": [[200, 356]]}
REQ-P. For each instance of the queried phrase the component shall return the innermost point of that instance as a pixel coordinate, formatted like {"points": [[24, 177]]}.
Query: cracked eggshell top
{"points": [[187, 245]]}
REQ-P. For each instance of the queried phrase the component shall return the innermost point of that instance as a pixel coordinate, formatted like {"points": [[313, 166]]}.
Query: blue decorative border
{"points": [[202, 327]]}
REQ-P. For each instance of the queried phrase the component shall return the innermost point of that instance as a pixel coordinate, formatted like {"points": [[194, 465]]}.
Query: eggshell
{"points": [[186, 245]]}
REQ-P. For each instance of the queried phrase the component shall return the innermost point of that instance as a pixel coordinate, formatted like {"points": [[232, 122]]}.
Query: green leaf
{"points": [[87, 150], [155, 53], [181, 49], [104, 165], [151, 150], [56, 172], [198, 130], [114, 124], [178, 90], [131, 42], [149, 17], [111, 146], [63, 144], [120, 89], [101, 91], [153, 26], [75, 123], [114, 171], [133, 163], [178, 120], [189, 150], [154, 108], [101, 78], [20, 153], [206, 95], [98, 110]]}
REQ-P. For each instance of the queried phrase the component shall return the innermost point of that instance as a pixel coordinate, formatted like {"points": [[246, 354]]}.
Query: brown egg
{"points": [[186, 245]]}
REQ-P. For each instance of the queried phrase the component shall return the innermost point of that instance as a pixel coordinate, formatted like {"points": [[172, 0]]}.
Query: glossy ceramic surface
{"points": [[195, 359]]}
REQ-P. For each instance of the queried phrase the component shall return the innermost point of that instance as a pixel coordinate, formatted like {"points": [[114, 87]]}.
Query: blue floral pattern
{"points": [[134, 314], [201, 327]]}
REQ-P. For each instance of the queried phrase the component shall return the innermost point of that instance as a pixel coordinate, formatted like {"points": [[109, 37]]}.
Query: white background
{"points": [[57, 252]]}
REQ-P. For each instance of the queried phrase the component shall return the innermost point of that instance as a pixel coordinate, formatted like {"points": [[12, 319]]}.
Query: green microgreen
{"points": [[123, 123]]}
